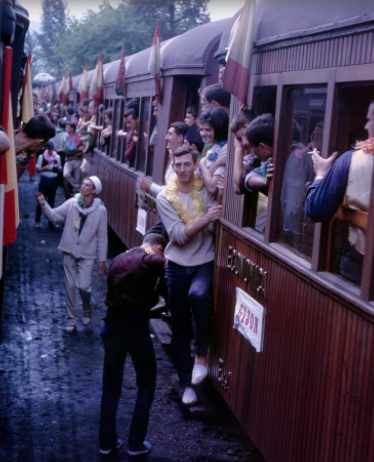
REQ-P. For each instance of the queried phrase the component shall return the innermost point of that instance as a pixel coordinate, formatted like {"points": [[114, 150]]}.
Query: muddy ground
{"points": [[50, 381]]}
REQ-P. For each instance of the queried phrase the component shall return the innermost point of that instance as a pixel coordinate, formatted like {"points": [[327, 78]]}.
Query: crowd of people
{"points": [[180, 247]]}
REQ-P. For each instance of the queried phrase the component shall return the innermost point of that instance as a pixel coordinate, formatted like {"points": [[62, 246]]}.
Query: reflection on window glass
{"points": [[256, 202], [304, 132], [347, 250]]}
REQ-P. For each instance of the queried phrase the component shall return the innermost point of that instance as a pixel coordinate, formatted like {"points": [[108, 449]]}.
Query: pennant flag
{"points": [[27, 105], [120, 81], [8, 171], [83, 85], [70, 83], [52, 94], [154, 64], [62, 89], [238, 59], [97, 85]]}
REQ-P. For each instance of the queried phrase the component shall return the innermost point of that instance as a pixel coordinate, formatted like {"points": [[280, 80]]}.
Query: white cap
{"points": [[97, 183]]}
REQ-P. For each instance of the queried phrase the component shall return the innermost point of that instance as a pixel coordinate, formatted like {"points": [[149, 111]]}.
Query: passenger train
{"points": [[306, 391]]}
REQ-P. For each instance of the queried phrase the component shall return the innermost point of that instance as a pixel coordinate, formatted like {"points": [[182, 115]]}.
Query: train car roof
{"points": [[281, 19], [185, 51]]}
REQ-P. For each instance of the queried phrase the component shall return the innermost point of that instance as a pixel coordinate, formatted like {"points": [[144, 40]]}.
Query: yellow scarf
{"points": [[171, 192]]}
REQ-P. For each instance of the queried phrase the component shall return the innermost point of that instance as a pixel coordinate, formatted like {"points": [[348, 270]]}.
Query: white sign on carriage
{"points": [[249, 319]]}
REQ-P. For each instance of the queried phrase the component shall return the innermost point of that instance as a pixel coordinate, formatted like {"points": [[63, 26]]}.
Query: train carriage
{"points": [[303, 389], [308, 395]]}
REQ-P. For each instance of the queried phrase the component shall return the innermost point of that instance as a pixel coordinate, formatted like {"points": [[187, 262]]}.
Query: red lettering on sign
{"points": [[251, 322], [240, 312], [247, 318]]}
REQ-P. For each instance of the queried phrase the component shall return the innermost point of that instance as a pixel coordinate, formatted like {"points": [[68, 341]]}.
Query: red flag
{"points": [[97, 85], [31, 168], [120, 81], [83, 86], [8, 172], [238, 58], [154, 64]]}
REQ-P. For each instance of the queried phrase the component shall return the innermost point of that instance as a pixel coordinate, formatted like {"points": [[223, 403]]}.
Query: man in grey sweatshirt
{"points": [[84, 238]]}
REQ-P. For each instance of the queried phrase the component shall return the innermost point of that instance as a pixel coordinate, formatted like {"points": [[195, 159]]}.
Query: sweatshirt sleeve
{"points": [[59, 213], [102, 237], [325, 196], [171, 220]]}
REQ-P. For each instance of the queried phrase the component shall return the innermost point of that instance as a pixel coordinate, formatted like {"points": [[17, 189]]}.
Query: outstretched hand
{"points": [[322, 165], [101, 268]]}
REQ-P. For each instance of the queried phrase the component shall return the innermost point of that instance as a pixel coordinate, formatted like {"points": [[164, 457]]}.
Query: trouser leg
{"points": [[84, 276], [71, 175], [200, 303], [70, 275], [145, 368], [112, 383], [178, 282]]}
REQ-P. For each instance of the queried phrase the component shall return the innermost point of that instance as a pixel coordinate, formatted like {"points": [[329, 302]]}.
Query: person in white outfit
{"points": [[84, 237]]}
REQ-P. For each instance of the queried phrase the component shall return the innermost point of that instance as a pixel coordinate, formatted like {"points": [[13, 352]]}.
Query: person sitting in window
{"points": [[347, 183], [107, 131], [214, 124], [191, 115], [259, 136], [131, 119]]}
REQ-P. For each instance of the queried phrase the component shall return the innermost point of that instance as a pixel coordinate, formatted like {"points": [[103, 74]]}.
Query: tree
{"points": [[32, 48], [54, 29]]}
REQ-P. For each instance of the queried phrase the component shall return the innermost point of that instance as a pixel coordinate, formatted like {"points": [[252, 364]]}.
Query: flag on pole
{"points": [[97, 85], [83, 85], [27, 104], [120, 81], [62, 89], [8, 171], [238, 59], [154, 64]]}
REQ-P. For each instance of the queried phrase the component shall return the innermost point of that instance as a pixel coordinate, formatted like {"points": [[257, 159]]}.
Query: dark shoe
{"points": [[138, 451], [105, 452], [52, 225]]}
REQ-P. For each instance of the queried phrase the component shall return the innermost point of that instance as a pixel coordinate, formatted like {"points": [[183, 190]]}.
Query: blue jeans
{"points": [[121, 337], [190, 300]]}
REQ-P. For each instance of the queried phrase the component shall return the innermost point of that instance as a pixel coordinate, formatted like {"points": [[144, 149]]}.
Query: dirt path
{"points": [[50, 382]]}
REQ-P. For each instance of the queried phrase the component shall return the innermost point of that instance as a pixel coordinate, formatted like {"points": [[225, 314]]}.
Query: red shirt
{"points": [[132, 280]]}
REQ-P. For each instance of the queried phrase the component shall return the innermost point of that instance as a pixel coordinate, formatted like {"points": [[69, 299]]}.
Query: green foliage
{"points": [[132, 24], [53, 32]]}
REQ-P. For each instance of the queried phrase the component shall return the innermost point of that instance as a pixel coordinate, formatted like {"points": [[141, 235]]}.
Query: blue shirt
{"points": [[325, 196]]}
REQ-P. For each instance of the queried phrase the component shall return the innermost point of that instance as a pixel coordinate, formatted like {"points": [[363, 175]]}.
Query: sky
{"points": [[218, 9]]}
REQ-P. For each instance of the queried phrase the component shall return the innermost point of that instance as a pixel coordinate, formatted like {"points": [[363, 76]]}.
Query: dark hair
{"points": [[180, 128], [109, 113], [85, 102], [76, 115], [193, 111], [41, 127], [261, 130], [216, 93], [70, 110], [61, 122], [218, 120], [50, 145], [183, 150], [72, 125], [132, 108], [241, 119], [155, 239], [101, 107]]}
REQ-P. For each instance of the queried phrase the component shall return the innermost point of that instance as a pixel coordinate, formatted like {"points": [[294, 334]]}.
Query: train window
{"points": [[303, 131], [255, 205], [142, 147], [347, 232]]}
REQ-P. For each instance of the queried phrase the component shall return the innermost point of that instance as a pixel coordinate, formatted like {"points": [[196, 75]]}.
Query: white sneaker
{"points": [[70, 329], [189, 397], [199, 373], [86, 320]]}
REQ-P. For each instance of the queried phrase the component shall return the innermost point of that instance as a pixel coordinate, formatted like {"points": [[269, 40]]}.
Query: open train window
{"points": [[152, 137], [302, 132], [143, 136], [346, 244], [255, 204]]}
